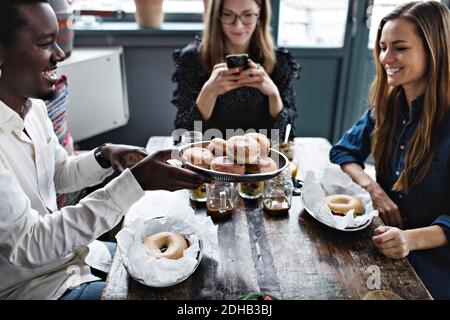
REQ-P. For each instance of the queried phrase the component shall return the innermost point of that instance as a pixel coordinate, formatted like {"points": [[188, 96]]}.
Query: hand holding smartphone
{"points": [[239, 60]]}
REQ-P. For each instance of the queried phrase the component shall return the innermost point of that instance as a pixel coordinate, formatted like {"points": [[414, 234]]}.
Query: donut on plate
{"points": [[243, 149], [218, 147], [340, 204], [263, 164], [200, 157], [225, 164], [263, 141], [168, 245]]}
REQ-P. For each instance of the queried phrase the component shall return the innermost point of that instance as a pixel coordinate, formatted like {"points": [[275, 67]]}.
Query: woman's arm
{"points": [[396, 243], [221, 81], [275, 103], [427, 238], [356, 172], [205, 103]]}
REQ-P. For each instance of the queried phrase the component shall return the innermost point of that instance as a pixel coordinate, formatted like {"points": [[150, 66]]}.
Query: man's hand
{"points": [[154, 173], [122, 156]]}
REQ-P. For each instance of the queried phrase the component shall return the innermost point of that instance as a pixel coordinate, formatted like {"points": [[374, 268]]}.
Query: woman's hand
{"points": [[155, 173], [122, 156], [392, 242], [388, 210], [222, 80], [256, 77]]}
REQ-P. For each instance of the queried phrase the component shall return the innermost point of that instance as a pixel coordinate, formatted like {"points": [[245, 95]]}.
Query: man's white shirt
{"points": [[43, 251]]}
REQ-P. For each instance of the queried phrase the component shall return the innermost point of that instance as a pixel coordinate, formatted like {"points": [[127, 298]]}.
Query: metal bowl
{"points": [[279, 158]]}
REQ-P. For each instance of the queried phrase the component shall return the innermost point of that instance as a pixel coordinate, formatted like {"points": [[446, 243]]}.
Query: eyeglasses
{"points": [[246, 18]]}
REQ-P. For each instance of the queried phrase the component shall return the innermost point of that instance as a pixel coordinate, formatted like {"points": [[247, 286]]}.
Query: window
{"points": [[379, 9], [312, 23], [174, 9]]}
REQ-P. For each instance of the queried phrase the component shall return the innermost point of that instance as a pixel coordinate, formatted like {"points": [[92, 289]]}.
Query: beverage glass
{"points": [[191, 137], [277, 195], [251, 190], [288, 149], [220, 200], [199, 194]]}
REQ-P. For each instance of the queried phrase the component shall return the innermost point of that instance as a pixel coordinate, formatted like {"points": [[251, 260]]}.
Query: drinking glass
{"points": [[220, 200], [199, 194], [251, 190], [191, 137], [277, 195]]}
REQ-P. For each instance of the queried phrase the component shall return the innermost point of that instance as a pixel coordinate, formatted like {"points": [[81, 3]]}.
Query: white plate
{"points": [[348, 229], [230, 177]]}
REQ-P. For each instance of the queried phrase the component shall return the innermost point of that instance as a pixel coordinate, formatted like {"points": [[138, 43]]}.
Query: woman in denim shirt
{"points": [[407, 130]]}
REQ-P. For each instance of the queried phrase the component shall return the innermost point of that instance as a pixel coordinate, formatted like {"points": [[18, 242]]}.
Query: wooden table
{"points": [[292, 256]]}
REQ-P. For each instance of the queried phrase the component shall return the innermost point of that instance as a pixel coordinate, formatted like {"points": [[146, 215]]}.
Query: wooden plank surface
{"points": [[292, 256]]}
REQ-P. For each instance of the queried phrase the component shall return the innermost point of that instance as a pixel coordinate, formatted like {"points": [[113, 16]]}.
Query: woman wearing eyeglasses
{"points": [[261, 97]]}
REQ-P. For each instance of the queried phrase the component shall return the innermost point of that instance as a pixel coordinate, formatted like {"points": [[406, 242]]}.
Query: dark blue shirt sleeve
{"points": [[444, 222], [355, 144]]}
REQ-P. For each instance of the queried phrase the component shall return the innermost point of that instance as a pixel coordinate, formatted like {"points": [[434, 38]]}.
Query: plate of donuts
{"points": [[247, 158]]}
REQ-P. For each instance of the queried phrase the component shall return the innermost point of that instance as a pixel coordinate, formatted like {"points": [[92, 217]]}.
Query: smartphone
{"points": [[237, 60]]}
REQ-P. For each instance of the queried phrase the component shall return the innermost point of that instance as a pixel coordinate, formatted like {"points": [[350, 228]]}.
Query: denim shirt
{"points": [[427, 203]]}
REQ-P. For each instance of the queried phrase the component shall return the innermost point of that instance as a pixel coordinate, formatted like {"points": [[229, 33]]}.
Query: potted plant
{"points": [[149, 13]]}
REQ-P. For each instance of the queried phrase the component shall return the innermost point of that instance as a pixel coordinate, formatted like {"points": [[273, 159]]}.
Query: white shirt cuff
{"points": [[124, 190]]}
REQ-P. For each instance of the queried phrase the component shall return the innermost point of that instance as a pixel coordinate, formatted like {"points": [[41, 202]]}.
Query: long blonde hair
{"points": [[432, 22], [212, 47]]}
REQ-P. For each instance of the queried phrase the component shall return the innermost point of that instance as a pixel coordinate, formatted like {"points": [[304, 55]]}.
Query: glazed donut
{"points": [[218, 147], [263, 164], [225, 164], [340, 204], [242, 149], [198, 156], [263, 141], [165, 245]]}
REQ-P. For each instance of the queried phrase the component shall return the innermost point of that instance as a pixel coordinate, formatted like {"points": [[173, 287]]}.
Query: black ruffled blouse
{"points": [[244, 108]]}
